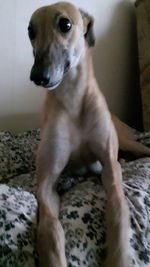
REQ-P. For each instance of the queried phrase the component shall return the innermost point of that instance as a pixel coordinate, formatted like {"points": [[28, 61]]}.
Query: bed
{"points": [[82, 206]]}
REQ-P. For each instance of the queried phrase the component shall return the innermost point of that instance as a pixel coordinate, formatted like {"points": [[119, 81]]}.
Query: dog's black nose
{"points": [[40, 77]]}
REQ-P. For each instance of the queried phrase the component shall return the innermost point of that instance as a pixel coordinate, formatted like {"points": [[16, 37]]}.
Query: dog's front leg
{"points": [[117, 214], [52, 158]]}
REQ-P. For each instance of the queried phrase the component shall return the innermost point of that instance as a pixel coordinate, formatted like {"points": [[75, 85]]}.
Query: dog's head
{"points": [[59, 34]]}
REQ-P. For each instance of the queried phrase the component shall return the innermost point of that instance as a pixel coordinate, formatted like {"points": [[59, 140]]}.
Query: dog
{"points": [[77, 129]]}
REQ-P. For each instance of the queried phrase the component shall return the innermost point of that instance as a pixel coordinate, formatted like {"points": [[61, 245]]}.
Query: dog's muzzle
{"points": [[49, 68], [48, 76], [44, 77]]}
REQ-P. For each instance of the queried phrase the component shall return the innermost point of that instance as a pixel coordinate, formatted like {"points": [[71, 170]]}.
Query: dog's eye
{"points": [[31, 32], [65, 25]]}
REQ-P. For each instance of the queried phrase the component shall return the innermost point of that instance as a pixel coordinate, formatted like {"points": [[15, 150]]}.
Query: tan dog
{"points": [[77, 129]]}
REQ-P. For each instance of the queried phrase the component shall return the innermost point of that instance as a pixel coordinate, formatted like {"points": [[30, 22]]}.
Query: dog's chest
{"points": [[81, 145]]}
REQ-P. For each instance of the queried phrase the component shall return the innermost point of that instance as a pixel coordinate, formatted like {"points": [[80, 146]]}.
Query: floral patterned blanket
{"points": [[82, 207]]}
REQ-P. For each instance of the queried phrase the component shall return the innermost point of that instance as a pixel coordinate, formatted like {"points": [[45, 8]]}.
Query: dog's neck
{"points": [[75, 84]]}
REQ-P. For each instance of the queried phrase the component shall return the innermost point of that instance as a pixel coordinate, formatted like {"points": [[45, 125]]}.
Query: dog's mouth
{"points": [[52, 86]]}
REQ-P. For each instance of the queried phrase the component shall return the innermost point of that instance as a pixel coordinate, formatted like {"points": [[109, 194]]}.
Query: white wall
{"points": [[20, 100]]}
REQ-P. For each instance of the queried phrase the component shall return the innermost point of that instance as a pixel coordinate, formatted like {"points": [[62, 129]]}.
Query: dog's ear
{"points": [[88, 28]]}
